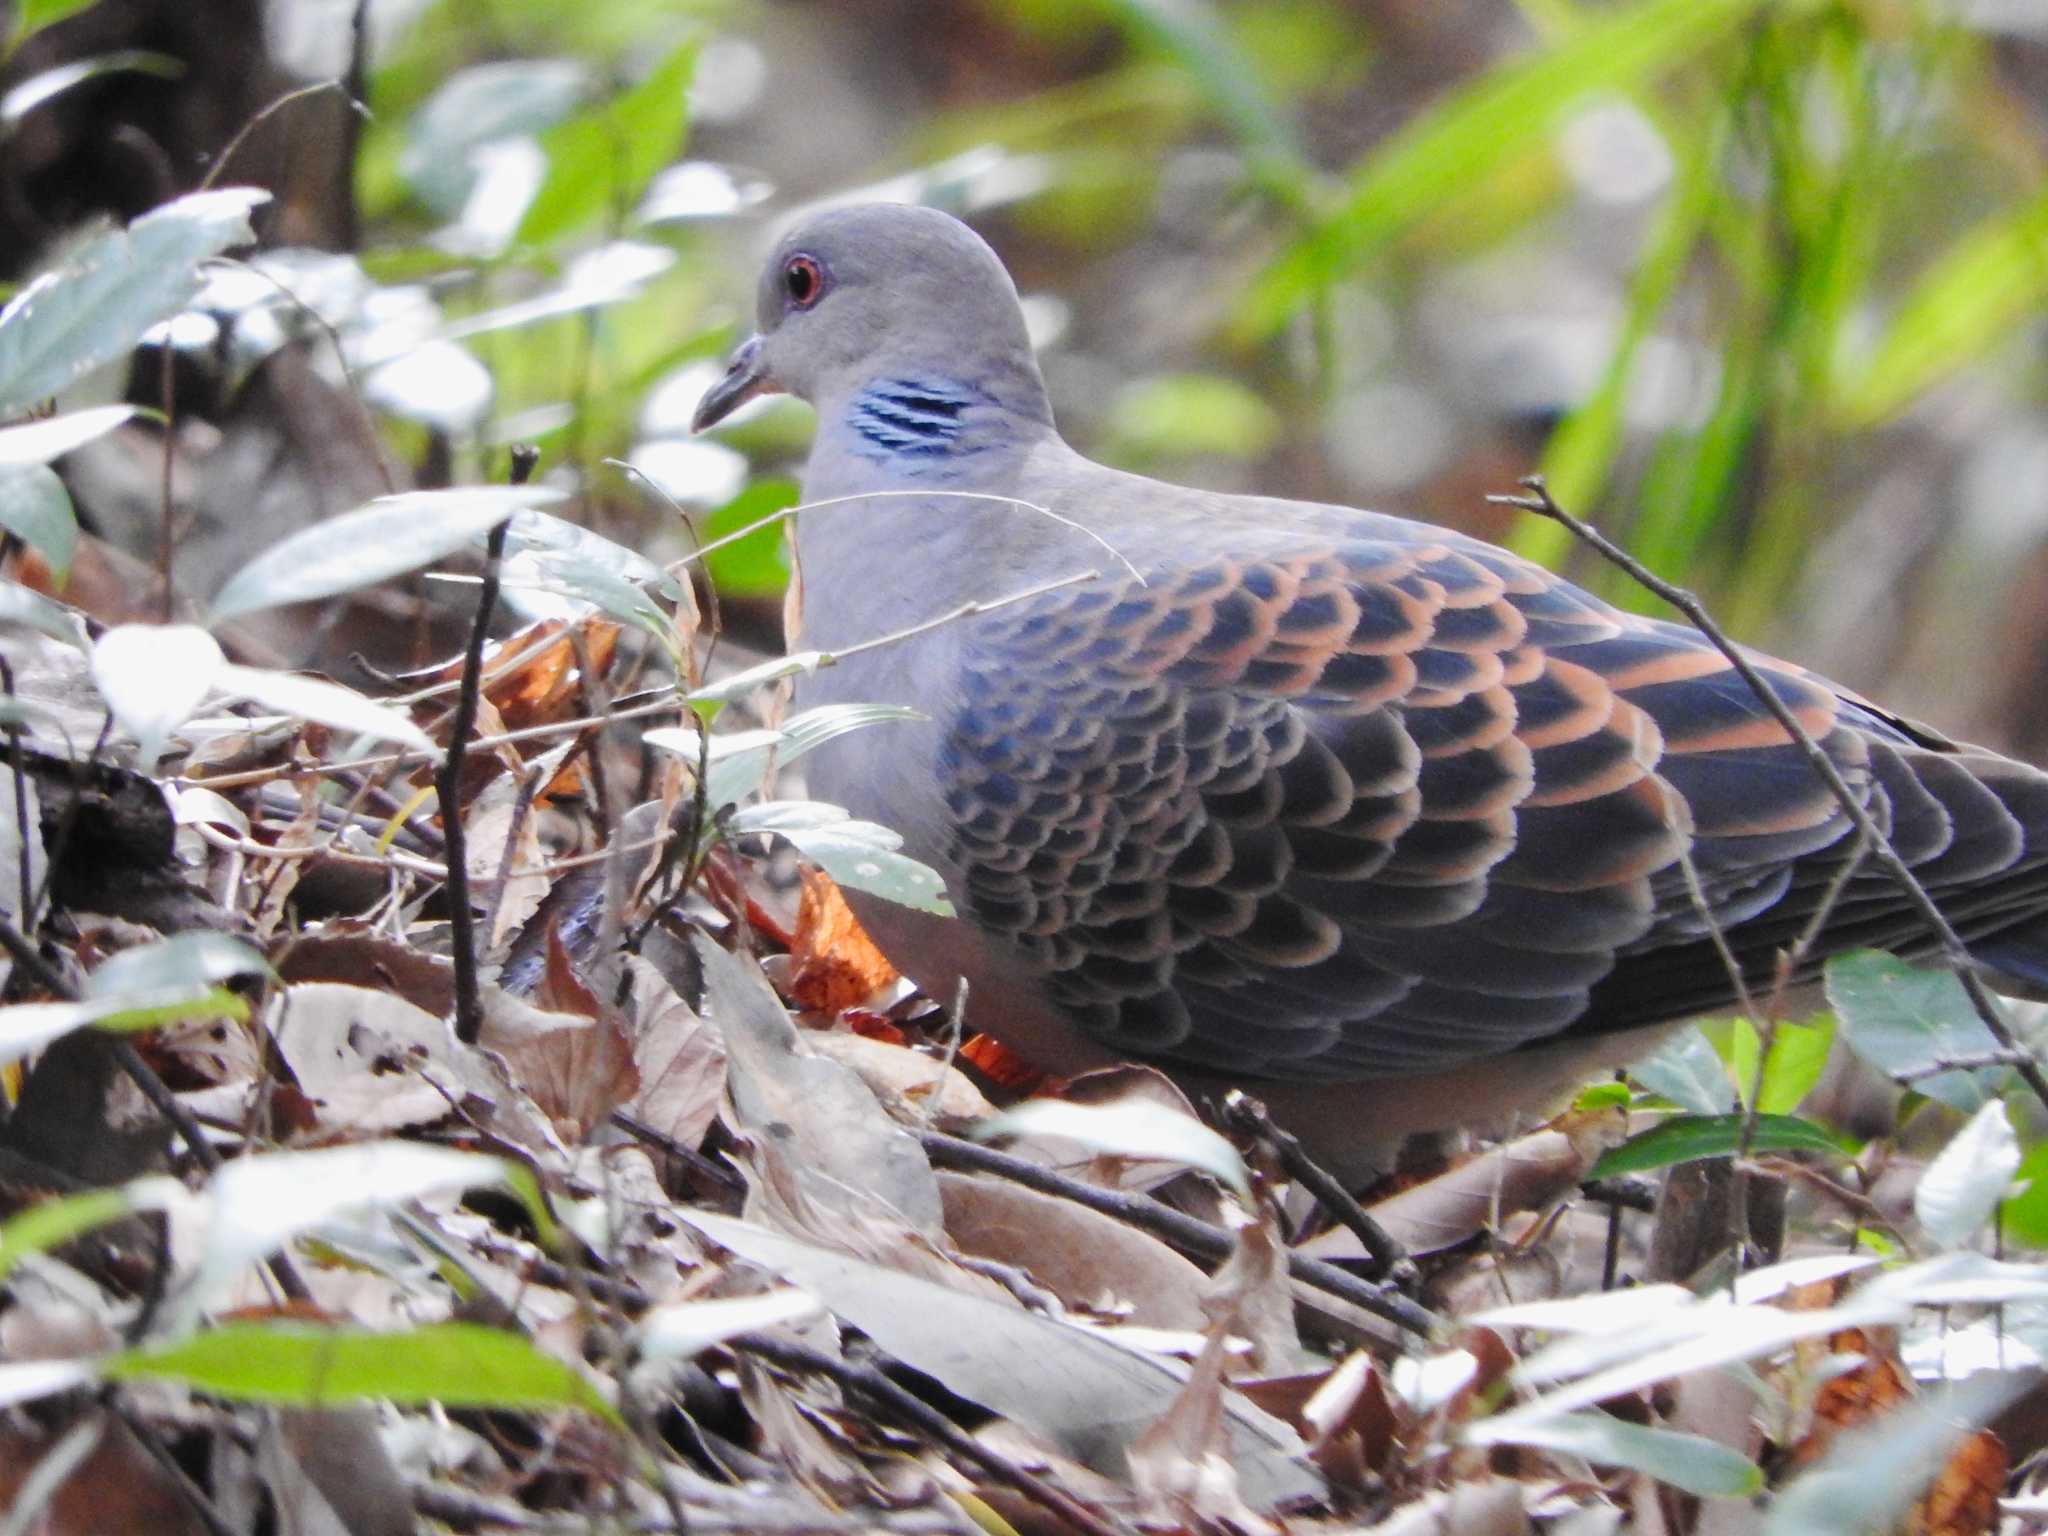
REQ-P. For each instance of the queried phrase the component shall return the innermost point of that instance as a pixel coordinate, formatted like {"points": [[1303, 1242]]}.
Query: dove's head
{"points": [[858, 293]]}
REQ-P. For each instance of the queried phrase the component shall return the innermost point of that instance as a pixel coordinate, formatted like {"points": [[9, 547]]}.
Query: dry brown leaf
{"points": [[361, 959], [1855, 1397], [680, 1059], [1092, 1262], [1181, 1466], [912, 1086], [836, 964], [1252, 1297], [1439, 1213], [576, 1075], [1964, 1498], [118, 1487]]}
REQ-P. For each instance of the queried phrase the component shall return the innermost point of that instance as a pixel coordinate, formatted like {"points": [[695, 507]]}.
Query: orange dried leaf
{"points": [[836, 964], [1858, 1395], [1964, 1499], [1003, 1066]]}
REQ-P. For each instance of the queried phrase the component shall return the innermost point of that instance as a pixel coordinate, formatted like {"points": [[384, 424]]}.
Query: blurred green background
{"points": [[1761, 287]]}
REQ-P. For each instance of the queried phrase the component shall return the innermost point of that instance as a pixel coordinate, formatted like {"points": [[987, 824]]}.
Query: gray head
{"points": [[859, 292]]}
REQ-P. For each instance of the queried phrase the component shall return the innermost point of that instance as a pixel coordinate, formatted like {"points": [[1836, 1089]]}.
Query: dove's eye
{"points": [[804, 280]]}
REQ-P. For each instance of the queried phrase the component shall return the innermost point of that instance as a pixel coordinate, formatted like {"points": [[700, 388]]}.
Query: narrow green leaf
{"points": [[455, 1364], [1975, 297], [43, 1227], [1135, 1128], [19, 605], [1580, 456], [386, 538], [190, 960], [55, 81], [603, 158], [38, 442], [309, 698], [1688, 1138], [33, 15], [28, 1027], [1190, 33], [1474, 130], [1690, 1463]]}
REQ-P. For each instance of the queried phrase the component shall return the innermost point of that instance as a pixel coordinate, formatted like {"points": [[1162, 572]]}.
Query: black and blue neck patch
{"points": [[920, 417]]}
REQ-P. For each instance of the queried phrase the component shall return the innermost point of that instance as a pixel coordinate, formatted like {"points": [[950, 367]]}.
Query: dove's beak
{"points": [[745, 377]]}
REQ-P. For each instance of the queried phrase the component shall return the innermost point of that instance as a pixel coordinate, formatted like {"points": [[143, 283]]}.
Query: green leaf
{"points": [[154, 677], [1691, 1463], [1689, 1073], [2024, 1219], [1958, 1192], [756, 565], [386, 538], [38, 442], [1191, 34], [1977, 296], [147, 1013], [1185, 415], [310, 698], [55, 81], [739, 759], [192, 961], [1134, 1128], [601, 160], [33, 15], [35, 508], [1688, 1138], [46, 1225], [1798, 1056], [455, 1364], [20, 605], [95, 307], [480, 105], [1475, 129], [27, 1027], [857, 854], [1580, 456], [1903, 1019]]}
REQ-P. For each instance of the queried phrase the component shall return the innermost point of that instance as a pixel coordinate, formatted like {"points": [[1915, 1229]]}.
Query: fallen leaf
{"points": [[837, 965]]}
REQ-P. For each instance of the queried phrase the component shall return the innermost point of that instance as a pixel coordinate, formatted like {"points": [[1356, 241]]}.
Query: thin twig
{"points": [[1184, 1232], [17, 764], [1953, 949], [469, 1013], [189, 1492], [785, 513], [1248, 1117], [261, 116], [913, 1412]]}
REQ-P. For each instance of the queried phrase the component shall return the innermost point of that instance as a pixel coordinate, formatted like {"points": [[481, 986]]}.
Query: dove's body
{"points": [[1378, 820]]}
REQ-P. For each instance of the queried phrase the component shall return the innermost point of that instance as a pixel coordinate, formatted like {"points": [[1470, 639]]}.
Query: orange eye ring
{"points": [[803, 280]]}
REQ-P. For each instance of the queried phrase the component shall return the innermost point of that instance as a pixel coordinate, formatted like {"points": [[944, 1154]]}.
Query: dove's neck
{"points": [[919, 423], [921, 494]]}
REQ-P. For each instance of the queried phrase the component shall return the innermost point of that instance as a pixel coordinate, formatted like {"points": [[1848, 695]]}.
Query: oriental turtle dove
{"points": [[1383, 822]]}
